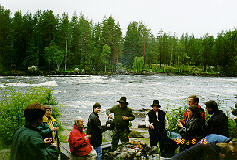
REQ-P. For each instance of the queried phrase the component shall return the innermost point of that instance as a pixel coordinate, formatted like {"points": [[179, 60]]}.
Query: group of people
{"points": [[38, 138]]}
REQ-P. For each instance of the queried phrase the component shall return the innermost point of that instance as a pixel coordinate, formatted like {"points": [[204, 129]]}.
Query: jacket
{"points": [[45, 128], [95, 129], [78, 146], [118, 113], [218, 124], [28, 144], [159, 124], [194, 129]]}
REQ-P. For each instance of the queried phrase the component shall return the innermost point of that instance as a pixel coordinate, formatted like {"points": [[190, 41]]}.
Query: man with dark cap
{"points": [[218, 122], [157, 123], [28, 144], [122, 116], [95, 130]]}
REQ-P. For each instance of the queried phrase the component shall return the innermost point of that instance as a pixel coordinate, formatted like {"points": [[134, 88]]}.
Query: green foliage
{"points": [[138, 64], [13, 103], [173, 115], [24, 38]]}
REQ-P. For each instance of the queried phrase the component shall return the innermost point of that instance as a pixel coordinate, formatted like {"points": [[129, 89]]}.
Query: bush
{"points": [[12, 105]]}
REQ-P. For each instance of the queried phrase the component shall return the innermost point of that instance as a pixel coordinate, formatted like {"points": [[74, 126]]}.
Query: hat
{"points": [[156, 103], [48, 107], [96, 105], [123, 100], [211, 104]]}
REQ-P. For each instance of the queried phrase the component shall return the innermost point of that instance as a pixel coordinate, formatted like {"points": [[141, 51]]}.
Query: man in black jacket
{"points": [[218, 122], [95, 129], [157, 123]]}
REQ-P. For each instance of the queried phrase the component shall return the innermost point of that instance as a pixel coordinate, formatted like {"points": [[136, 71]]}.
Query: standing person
{"points": [[192, 100], [218, 122], [95, 130], [28, 144], [49, 126], [157, 123], [122, 116]]}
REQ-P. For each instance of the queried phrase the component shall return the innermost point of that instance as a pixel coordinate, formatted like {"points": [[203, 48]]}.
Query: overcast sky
{"points": [[173, 16]]}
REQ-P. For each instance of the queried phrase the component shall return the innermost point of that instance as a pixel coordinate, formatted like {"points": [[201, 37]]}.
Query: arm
{"points": [[76, 140], [147, 122], [44, 129], [41, 150], [131, 116], [110, 110], [166, 123]]}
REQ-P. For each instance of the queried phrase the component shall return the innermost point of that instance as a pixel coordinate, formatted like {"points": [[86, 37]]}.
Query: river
{"points": [[77, 94]]}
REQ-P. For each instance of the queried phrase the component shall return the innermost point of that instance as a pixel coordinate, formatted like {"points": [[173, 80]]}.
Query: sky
{"points": [[196, 17]]}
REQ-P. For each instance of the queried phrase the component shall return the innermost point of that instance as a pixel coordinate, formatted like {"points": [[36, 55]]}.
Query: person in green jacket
{"points": [[28, 144], [122, 116]]}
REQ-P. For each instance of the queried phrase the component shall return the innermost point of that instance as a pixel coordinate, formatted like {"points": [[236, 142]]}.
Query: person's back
{"points": [[28, 144], [218, 124]]}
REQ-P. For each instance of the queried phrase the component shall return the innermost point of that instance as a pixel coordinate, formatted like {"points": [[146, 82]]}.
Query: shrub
{"points": [[12, 105]]}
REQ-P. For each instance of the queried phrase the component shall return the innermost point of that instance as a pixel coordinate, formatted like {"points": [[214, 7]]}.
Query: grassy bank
{"points": [[12, 105], [146, 70]]}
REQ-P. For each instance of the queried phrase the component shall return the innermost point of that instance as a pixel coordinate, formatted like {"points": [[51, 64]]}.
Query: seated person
{"points": [[218, 122], [210, 151], [194, 130], [49, 127], [192, 100], [79, 142], [28, 144]]}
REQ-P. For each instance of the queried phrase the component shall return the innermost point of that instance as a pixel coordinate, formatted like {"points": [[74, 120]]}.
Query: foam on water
{"points": [[48, 83]]}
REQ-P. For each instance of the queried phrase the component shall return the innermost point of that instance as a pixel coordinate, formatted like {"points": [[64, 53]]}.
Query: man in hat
{"points": [[122, 116], [95, 129], [49, 126], [28, 144], [157, 123], [218, 122]]}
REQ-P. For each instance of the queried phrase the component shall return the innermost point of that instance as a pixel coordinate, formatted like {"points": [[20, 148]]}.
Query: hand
{"points": [[151, 126], [179, 124], [125, 118], [54, 129], [86, 137], [110, 116], [48, 140], [54, 144]]}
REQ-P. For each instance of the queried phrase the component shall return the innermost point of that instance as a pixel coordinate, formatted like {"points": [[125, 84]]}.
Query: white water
{"points": [[78, 93]]}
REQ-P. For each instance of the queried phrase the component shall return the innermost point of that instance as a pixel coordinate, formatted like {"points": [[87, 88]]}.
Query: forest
{"points": [[47, 42]]}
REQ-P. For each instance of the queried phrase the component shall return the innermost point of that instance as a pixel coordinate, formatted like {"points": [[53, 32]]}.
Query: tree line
{"points": [[57, 42]]}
